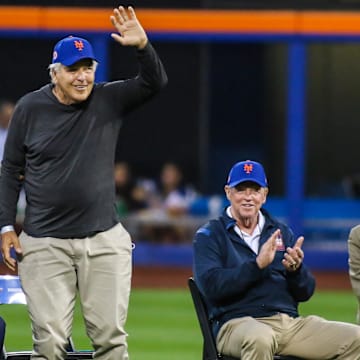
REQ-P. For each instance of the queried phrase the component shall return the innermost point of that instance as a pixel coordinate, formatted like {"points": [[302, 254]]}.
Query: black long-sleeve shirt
{"points": [[66, 154]]}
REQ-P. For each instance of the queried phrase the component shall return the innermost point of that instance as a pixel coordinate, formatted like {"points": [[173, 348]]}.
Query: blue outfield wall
{"points": [[146, 254], [327, 223]]}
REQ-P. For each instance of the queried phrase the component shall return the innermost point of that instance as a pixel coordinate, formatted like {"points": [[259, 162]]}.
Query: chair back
{"points": [[209, 348]]}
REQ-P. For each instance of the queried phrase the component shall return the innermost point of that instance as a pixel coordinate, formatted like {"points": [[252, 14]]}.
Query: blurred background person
{"points": [[351, 186], [173, 193], [6, 111], [130, 195], [170, 198]]}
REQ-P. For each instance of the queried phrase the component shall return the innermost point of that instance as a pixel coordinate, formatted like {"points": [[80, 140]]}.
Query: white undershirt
{"points": [[252, 240]]}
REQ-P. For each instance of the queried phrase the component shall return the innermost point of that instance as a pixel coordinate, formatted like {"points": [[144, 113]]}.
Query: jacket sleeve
{"points": [[301, 282], [151, 78], [12, 168], [216, 280]]}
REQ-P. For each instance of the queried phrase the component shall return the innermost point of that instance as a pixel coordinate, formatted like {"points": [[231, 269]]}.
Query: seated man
{"points": [[250, 269]]}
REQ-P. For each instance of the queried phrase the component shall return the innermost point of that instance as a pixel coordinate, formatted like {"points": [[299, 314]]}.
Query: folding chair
{"points": [[2, 337], [11, 293], [209, 345]]}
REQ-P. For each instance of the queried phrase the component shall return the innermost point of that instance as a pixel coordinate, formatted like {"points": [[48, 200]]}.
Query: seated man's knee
{"points": [[262, 341]]}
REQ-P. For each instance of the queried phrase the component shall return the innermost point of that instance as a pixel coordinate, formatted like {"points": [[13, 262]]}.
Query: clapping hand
{"points": [[294, 256], [267, 252]]}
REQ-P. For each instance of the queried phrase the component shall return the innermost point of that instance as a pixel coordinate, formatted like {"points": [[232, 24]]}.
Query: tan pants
{"points": [[308, 337], [354, 264], [52, 271]]}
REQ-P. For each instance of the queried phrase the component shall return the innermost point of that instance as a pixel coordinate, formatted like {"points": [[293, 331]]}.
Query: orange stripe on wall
{"points": [[87, 19], [346, 22], [217, 21], [19, 17], [90, 19], [183, 21]]}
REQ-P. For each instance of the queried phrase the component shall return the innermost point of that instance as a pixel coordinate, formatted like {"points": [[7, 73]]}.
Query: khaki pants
{"points": [[354, 264], [52, 271], [308, 337]]}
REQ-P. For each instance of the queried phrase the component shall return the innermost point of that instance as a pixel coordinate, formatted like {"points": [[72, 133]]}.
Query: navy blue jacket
{"points": [[233, 285]]}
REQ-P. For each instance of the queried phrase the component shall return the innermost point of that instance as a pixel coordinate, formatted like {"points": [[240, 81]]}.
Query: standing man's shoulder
{"points": [[29, 105], [33, 97], [355, 231]]}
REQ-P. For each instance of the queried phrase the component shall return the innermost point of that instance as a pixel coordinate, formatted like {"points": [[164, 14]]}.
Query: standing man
{"points": [[249, 267], [354, 264], [61, 146]]}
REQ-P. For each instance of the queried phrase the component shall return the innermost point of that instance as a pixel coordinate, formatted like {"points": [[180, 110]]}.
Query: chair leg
{"points": [[70, 345], [2, 338], [3, 353], [206, 356]]}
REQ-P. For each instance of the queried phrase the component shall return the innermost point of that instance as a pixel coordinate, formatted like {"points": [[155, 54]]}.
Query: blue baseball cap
{"points": [[247, 171], [72, 49]]}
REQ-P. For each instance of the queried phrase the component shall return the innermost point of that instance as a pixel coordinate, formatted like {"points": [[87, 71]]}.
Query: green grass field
{"points": [[162, 324]]}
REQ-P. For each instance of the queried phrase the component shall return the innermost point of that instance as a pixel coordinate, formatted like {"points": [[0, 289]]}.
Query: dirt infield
{"points": [[170, 277], [173, 277]]}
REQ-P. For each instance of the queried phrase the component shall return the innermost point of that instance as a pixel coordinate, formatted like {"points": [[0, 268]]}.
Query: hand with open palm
{"points": [[130, 31]]}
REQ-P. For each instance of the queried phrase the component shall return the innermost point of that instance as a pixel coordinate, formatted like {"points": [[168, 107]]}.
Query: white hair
{"points": [[53, 68]]}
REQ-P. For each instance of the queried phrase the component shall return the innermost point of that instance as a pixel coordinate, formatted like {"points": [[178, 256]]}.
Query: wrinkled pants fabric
{"points": [[310, 337], [53, 272]]}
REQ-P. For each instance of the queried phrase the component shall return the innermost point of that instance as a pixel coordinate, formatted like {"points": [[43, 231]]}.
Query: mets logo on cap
{"points": [[248, 168], [79, 45]]}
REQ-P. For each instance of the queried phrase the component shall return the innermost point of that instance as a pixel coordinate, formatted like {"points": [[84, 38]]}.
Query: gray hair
{"points": [[53, 68]]}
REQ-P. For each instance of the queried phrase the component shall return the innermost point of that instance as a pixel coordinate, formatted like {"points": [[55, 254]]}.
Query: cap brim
{"points": [[73, 60], [235, 183]]}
